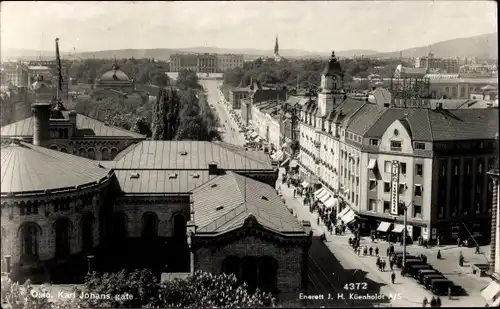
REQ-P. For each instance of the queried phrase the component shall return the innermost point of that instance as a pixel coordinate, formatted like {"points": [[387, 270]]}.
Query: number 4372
{"points": [[356, 286]]}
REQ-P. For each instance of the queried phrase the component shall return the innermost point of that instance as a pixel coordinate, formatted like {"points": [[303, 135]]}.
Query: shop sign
{"points": [[395, 188]]}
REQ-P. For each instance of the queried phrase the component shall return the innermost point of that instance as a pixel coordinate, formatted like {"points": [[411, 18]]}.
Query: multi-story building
{"points": [[35, 72], [237, 94], [257, 94], [206, 63], [229, 61], [439, 157], [448, 65], [14, 74], [456, 87], [179, 62], [265, 122]]}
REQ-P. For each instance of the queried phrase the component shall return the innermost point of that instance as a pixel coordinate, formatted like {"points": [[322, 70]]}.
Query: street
{"points": [[334, 263], [230, 133]]}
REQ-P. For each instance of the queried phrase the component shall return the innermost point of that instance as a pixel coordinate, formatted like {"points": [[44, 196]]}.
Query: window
{"points": [[420, 146], [387, 207], [418, 190], [30, 240], [373, 184], [91, 154], [387, 187], [419, 169], [372, 205], [357, 199], [87, 226], [402, 167], [387, 166], [417, 211], [395, 146], [374, 142], [401, 188], [149, 225], [62, 230], [357, 181]]}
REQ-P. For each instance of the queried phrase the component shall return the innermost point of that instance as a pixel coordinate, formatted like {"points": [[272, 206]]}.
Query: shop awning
{"points": [[278, 155], [305, 184], [253, 134], [325, 197], [372, 163], [294, 163], [318, 192], [331, 202], [343, 212], [349, 217], [384, 226], [284, 145], [491, 293], [285, 162], [322, 194], [398, 228]]}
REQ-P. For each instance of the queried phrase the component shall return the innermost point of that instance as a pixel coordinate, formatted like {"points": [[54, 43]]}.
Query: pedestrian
{"points": [[389, 251], [391, 264], [371, 251], [449, 293], [438, 301], [438, 242], [294, 192], [458, 242], [317, 220], [478, 251], [433, 301], [365, 251], [424, 302], [359, 250], [376, 251], [383, 265], [393, 277]]}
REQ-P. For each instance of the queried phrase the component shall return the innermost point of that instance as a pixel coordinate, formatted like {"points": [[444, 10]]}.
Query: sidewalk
{"points": [[410, 292]]}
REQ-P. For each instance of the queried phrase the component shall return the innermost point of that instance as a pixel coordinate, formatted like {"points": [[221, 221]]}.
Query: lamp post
{"points": [[405, 209], [89, 259]]}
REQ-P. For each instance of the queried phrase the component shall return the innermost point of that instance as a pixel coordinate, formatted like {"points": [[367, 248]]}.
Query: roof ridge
{"points": [[117, 128], [428, 111]]}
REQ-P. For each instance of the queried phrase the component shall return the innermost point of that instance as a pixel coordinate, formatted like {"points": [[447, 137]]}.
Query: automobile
{"points": [[429, 277], [411, 262], [421, 273], [440, 286], [399, 259], [414, 268]]}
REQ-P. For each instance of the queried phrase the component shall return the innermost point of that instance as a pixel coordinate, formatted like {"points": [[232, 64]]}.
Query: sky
{"points": [[315, 26]]}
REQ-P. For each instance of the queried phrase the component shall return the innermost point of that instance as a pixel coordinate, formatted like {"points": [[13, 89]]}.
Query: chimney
{"points": [[41, 121], [72, 117], [212, 169]]}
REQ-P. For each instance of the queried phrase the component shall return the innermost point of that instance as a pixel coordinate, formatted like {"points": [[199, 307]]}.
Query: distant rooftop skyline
{"points": [[314, 26]]}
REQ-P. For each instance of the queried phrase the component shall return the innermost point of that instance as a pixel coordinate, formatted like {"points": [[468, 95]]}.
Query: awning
{"points": [[331, 202], [278, 155], [349, 217], [372, 163], [325, 197], [343, 212], [322, 195], [384, 226], [284, 145], [318, 192], [305, 184], [491, 293], [398, 228], [253, 134], [294, 163], [285, 162]]}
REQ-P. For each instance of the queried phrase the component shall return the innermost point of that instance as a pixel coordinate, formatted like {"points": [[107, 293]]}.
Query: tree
{"points": [[142, 126], [159, 78], [187, 79], [159, 125]]}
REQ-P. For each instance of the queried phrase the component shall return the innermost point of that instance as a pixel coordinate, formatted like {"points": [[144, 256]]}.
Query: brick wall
{"points": [[290, 260]]}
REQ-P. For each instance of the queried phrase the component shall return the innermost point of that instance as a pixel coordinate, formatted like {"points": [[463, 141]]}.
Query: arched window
{"points": [[91, 153], [113, 154], [249, 272], [54, 147], [62, 230], [232, 265], [65, 133], [87, 225], [61, 133], [120, 225], [30, 238], [179, 227], [268, 271], [149, 225], [105, 154], [82, 152], [64, 150]]}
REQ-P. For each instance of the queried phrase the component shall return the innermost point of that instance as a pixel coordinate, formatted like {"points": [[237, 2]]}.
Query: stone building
{"points": [[156, 197], [72, 133]]}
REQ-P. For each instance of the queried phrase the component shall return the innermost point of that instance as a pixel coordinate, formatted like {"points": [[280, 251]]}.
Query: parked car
{"points": [[414, 268], [428, 279], [440, 286], [422, 273], [409, 261], [399, 258]]}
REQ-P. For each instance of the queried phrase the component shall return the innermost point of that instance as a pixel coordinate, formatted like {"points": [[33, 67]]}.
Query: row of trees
{"points": [[305, 73], [179, 113], [140, 289]]}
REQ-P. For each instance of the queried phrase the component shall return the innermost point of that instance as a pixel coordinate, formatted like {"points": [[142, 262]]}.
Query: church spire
{"points": [[276, 47], [115, 64]]}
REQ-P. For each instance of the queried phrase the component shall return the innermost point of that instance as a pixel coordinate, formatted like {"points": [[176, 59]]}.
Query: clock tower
{"points": [[331, 86]]}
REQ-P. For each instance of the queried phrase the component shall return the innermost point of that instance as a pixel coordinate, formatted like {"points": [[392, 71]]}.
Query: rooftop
{"points": [[85, 126], [191, 155], [225, 202], [22, 171]]}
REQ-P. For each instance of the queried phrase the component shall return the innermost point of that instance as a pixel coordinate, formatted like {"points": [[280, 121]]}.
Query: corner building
{"points": [[349, 145]]}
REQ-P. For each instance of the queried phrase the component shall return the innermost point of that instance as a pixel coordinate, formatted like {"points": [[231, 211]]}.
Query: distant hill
{"points": [[481, 46]]}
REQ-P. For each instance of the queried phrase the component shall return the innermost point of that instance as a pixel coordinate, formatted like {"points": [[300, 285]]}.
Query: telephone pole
{"points": [[405, 209]]}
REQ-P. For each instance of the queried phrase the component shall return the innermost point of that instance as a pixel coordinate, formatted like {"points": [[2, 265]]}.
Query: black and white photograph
{"points": [[249, 154]]}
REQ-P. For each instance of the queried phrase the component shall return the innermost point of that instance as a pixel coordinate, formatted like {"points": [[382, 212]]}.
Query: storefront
{"points": [[492, 294], [347, 216], [384, 230], [277, 156]]}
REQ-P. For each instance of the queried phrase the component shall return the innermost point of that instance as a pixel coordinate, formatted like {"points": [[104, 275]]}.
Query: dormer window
{"points": [[395, 146]]}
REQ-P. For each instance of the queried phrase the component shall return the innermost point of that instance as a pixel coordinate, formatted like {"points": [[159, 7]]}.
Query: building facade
{"points": [[238, 94], [455, 87], [229, 61], [179, 62], [14, 74], [447, 65], [205, 63], [351, 146]]}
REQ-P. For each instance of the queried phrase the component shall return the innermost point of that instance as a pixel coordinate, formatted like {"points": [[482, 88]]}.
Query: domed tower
{"points": [[331, 86]]}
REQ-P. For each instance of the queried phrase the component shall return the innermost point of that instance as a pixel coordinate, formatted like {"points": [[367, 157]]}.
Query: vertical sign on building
{"points": [[395, 188]]}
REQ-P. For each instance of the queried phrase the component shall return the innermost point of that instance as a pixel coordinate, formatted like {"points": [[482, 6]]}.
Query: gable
{"points": [[398, 131]]}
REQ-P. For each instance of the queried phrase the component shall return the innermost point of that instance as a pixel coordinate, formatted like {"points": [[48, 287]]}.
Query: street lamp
{"points": [[405, 209], [89, 259]]}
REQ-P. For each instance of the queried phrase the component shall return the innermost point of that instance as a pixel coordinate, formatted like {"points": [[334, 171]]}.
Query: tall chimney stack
{"points": [[41, 120]]}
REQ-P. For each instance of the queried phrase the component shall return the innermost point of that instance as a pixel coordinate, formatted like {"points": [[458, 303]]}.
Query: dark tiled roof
{"points": [[268, 94], [381, 95], [86, 126], [345, 109], [463, 124], [417, 119], [160, 181], [198, 154], [227, 193], [29, 168], [365, 118]]}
